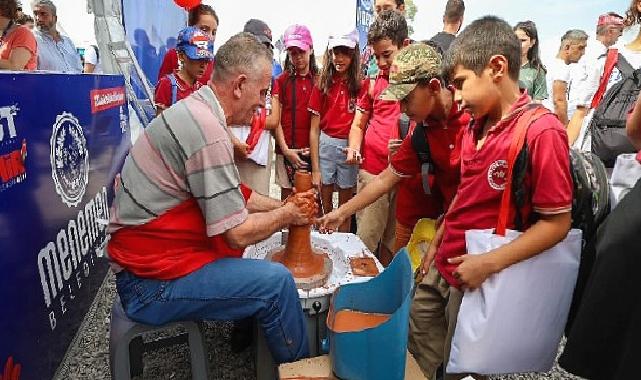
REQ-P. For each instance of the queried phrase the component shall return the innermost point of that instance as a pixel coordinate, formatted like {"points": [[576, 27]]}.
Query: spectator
{"points": [[376, 123], [204, 18], [25, 20], [195, 52], [92, 60], [532, 74], [452, 22], [609, 29], [573, 44], [55, 51], [18, 47], [181, 217]]}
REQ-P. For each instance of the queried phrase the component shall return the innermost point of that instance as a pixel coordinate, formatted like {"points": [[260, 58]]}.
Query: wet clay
{"points": [[363, 266], [351, 321], [298, 255]]}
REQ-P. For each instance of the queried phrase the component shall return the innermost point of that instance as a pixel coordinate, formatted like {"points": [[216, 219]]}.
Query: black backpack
{"points": [[607, 128], [422, 149], [590, 203]]}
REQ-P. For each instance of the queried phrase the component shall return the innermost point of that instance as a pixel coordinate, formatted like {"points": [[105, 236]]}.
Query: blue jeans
{"points": [[227, 289]]}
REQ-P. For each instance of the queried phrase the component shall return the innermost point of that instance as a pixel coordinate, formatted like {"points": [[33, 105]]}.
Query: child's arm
{"points": [[273, 119], [382, 184], [314, 143], [355, 138], [633, 126], [544, 234]]}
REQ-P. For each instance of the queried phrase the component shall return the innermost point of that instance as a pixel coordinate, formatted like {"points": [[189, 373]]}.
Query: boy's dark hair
{"points": [[197, 11], [9, 9], [454, 10], [353, 73], [24, 19], [477, 43], [399, 3], [388, 24]]}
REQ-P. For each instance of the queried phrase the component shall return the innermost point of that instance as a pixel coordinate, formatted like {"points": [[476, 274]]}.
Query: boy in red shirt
{"points": [[195, 51], [415, 81], [483, 65], [374, 125]]}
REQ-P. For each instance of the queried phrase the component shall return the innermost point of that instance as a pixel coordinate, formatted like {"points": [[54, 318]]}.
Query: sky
{"points": [[324, 17]]}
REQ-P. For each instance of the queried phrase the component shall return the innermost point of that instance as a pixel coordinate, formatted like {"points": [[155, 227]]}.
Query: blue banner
{"points": [[364, 17], [62, 139], [152, 27]]}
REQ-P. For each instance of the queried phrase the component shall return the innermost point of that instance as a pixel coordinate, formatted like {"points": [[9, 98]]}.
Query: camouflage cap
{"points": [[411, 64]]}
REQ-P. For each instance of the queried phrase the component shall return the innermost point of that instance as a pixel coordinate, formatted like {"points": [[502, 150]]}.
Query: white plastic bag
{"points": [[515, 320]]}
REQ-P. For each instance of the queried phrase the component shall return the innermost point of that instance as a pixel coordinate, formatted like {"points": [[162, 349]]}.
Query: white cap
{"points": [[349, 40]]}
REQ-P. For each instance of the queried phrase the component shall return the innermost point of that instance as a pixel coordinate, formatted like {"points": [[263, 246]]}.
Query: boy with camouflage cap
{"points": [[415, 81]]}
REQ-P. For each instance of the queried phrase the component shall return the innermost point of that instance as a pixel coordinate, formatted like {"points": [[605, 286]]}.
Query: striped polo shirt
{"points": [[179, 185]]}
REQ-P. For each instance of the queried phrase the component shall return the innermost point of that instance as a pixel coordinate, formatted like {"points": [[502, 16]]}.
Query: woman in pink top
{"points": [[18, 48]]}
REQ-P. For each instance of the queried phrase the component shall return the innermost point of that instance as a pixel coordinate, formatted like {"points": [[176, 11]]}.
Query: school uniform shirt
{"points": [[336, 108], [284, 90], [179, 192], [444, 139], [383, 120], [20, 37], [483, 176], [170, 64], [164, 90]]}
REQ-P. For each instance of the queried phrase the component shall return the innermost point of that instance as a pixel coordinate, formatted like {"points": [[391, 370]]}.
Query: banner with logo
{"points": [[62, 140], [364, 17]]}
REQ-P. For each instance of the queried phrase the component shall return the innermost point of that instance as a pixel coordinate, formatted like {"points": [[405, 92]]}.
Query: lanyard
{"points": [[6, 30]]}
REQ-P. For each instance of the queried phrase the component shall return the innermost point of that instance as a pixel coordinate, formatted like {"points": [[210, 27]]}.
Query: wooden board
{"points": [[320, 368]]}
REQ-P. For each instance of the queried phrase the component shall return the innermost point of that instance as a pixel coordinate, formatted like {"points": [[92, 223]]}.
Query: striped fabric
{"points": [[184, 153]]}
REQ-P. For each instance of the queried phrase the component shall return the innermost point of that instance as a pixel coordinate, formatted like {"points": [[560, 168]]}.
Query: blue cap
{"points": [[195, 44]]}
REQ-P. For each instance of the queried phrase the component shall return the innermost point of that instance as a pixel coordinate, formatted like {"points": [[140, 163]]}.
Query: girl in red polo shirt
{"points": [[333, 105], [293, 89], [195, 51]]}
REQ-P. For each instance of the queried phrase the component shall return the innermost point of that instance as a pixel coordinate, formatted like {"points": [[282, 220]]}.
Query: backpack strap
{"points": [[532, 113], [422, 148], [174, 87], [610, 62]]}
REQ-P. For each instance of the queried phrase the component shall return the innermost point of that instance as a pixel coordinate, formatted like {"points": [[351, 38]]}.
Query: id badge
{"points": [[426, 169]]}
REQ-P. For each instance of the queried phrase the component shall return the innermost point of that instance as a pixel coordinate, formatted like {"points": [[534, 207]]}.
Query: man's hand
{"points": [[302, 207], [393, 145], [294, 157], [473, 270], [353, 156], [241, 150], [330, 222]]}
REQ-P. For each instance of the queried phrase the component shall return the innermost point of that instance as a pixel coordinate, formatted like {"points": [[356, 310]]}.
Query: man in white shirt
{"points": [[92, 60], [573, 44], [55, 51]]}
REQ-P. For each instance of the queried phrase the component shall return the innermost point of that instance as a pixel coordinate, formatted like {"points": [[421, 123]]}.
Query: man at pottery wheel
{"points": [[181, 218]]}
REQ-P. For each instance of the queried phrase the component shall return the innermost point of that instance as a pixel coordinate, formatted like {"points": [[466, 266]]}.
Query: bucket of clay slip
{"points": [[368, 324]]}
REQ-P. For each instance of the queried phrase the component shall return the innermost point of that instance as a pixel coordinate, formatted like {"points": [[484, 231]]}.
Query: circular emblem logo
{"points": [[497, 175], [69, 159]]}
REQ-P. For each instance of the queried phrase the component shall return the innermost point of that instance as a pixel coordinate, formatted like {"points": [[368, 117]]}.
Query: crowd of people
{"points": [[414, 130]]}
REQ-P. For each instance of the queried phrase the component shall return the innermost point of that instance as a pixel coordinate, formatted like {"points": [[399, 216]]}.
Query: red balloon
{"points": [[187, 4]]}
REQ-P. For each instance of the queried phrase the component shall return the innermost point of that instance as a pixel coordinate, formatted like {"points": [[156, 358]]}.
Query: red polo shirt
{"points": [[163, 90], [170, 64], [483, 173], [383, 119], [283, 88], [444, 139], [336, 108]]}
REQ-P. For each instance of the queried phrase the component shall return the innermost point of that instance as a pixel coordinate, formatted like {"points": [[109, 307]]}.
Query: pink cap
{"points": [[610, 19], [298, 36]]}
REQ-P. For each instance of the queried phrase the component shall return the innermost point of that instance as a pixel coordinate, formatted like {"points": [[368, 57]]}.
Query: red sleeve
{"points": [[23, 38], [163, 92], [405, 162], [169, 64], [550, 162], [315, 101], [365, 101]]}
